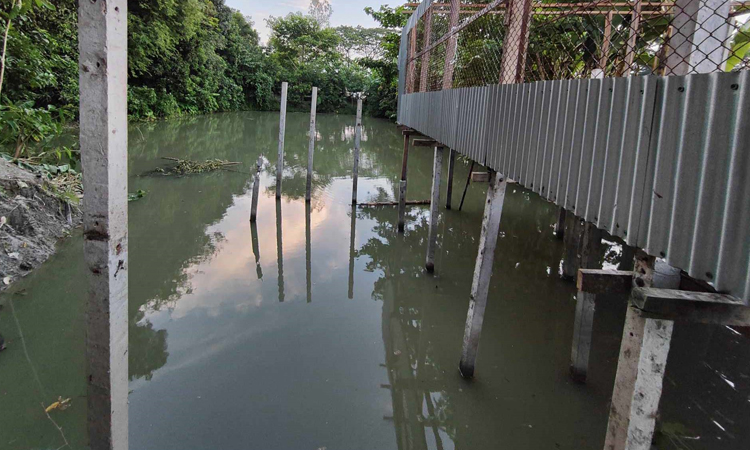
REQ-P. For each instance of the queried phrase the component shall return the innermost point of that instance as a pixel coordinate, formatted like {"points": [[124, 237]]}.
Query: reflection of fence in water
{"points": [[509, 41]]}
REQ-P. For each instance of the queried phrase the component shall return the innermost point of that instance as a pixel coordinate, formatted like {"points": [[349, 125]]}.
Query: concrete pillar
{"points": [[357, 144], [493, 209], [311, 145], [449, 191], [103, 81], [437, 168], [710, 37], [282, 132], [402, 186], [640, 371], [589, 257], [639, 380]]}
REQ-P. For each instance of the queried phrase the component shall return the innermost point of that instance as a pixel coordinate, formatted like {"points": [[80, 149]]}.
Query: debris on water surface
{"points": [[139, 194], [61, 404], [187, 166]]}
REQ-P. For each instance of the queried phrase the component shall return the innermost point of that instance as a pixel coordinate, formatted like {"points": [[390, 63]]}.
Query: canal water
{"points": [[318, 328]]}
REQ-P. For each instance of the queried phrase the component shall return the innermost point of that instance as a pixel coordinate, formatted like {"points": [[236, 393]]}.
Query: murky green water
{"points": [[289, 335]]}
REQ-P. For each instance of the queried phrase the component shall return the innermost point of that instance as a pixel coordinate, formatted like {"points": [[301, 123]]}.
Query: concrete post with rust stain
{"points": [[480, 286], [103, 81], [640, 372]]}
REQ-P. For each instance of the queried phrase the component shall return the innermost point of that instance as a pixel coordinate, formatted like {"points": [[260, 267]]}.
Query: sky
{"points": [[345, 12]]}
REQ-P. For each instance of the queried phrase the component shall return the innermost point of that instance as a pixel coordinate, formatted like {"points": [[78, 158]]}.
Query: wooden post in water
{"points": [[103, 81], [282, 132], [437, 168], [357, 144], [311, 147], [466, 187], [256, 190], [402, 186], [480, 285], [449, 190]]}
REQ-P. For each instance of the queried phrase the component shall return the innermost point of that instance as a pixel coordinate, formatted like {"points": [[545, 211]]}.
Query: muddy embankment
{"points": [[32, 220]]}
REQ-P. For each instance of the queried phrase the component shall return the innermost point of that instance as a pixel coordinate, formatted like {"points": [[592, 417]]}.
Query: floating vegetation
{"points": [[139, 194], [188, 167]]}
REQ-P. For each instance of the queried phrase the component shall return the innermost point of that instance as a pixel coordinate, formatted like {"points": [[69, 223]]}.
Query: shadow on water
{"points": [[316, 327]]}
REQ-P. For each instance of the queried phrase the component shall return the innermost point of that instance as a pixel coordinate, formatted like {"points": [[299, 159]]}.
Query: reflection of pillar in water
{"points": [[308, 262], [279, 251], [256, 249], [351, 251]]}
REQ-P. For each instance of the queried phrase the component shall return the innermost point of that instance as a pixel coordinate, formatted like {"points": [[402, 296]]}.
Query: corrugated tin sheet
{"points": [[662, 162]]}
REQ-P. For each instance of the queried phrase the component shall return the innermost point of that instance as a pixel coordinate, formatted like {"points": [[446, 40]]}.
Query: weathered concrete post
{"points": [[450, 49], [588, 258], [279, 252], [437, 168], [103, 78], [449, 190], [311, 147], [282, 132], [357, 144], [402, 186], [574, 229], [640, 373], [480, 285], [709, 40], [256, 190], [308, 252]]}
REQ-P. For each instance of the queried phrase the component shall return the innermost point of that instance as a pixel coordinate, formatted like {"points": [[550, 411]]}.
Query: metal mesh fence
{"points": [[461, 43]]}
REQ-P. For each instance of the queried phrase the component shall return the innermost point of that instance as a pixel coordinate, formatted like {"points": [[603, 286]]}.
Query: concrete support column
{"points": [[639, 380], [588, 256], [311, 145], [449, 191], [282, 133], [437, 168], [103, 78], [493, 209]]}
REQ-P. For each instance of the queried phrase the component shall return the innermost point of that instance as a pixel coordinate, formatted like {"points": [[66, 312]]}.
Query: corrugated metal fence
{"points": [[662, 162]]}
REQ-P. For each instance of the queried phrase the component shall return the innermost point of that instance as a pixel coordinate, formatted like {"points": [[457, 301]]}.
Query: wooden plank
{"points": [[311, 145], [357, 144], [635, 24], [102, 37], [582, 336], [282, 133], [437, 168], [493, 209], [599, 281], [701, 307], [256, 190], [480, 177], [425, 143], [407, 202], [466, 187], [411, 132]]}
